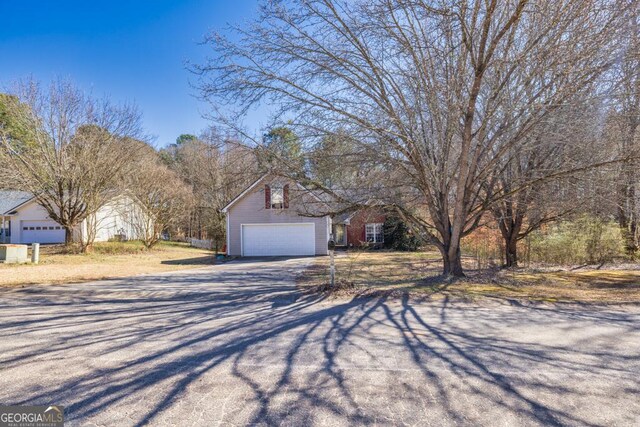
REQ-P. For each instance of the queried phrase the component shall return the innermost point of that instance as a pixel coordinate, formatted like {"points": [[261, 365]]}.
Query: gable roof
{"points": [[344, 217], [255, 184], [10, 200], [241, 195]]}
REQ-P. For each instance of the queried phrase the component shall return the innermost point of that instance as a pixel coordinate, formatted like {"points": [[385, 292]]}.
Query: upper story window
{"points": [[374, 233], [277, 198]]}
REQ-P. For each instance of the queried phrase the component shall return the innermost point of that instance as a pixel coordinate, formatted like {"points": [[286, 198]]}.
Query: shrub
{"points": [[398, 236], [586, 240], [118, 248]]}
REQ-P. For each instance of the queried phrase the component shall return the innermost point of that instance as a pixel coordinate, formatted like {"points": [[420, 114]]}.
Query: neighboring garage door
{"points": [[41, 232], [278, 239]]}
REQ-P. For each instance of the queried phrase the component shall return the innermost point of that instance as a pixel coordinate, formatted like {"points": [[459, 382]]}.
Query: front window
{"points": [[277, 198], [374, 233]]}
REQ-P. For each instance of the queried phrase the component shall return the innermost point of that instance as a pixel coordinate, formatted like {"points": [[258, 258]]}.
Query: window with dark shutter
{"points": [[267, 197], [285, 196]]}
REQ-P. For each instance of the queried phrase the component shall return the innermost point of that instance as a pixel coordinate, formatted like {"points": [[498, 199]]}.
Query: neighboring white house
{"points": [[24, 221], [265, 220]]}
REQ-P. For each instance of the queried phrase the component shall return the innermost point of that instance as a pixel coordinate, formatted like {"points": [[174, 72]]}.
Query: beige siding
{"points": [[250, 209]]}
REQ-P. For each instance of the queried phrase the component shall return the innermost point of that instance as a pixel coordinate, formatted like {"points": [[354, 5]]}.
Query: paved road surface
{"points": [[236, 345]]}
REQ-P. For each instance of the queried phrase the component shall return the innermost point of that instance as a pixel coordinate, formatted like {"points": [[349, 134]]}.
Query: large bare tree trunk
{"points": [[452, 262], [68, 235], [511, 253], [510, 225]]}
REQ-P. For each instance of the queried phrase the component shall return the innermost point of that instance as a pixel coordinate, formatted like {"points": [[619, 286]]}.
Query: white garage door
{"points": [[41, 232], [278, 239]]}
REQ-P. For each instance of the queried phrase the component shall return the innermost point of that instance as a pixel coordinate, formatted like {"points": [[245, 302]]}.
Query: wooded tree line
{"points": [[216, 168], [451, 114]]}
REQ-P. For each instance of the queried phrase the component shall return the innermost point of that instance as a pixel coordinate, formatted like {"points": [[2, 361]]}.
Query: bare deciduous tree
{"points": [[73, 151], [217, 169], [623, 130], [566, 140], [161, 199], [437, 93]]}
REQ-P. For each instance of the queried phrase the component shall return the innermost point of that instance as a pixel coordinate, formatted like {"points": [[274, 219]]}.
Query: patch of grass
{"points": [[118, 248], [107, 260], [134, 247], [418, 274]]}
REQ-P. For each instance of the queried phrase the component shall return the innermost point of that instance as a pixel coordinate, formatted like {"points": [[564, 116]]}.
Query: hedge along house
{"points": [[274, 217]]}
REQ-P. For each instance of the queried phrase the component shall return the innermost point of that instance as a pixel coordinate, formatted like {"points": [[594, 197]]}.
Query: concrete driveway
{"points": [[236, 345]]}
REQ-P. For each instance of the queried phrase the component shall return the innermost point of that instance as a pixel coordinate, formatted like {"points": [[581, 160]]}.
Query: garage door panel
{"points": [[278, 239], [41, 232]]}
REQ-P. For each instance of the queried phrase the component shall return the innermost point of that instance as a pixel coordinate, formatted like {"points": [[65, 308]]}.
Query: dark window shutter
{"points": [[285, 196], [267, 197]]}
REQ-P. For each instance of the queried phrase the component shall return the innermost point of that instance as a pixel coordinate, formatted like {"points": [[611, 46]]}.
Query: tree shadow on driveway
{"points": [[243, 347], [201, 260]]}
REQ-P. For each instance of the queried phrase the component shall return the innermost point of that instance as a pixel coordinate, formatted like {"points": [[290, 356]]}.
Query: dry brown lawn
{"points": [[418, 274], [108, 260]]}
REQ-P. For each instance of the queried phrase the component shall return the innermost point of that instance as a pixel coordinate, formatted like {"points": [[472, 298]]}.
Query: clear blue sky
{"points": [[129, 50]]}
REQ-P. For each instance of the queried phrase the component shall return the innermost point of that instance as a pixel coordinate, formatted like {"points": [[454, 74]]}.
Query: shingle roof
{"points": [[10, 199], [343, 218]]}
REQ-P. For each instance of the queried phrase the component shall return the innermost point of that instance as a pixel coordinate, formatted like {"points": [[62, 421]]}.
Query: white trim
{"points": [[346, 234], [329, 228], [20, 206], [3, 237], [241, 195], [374, 225], [228, 238], [315, 250]]}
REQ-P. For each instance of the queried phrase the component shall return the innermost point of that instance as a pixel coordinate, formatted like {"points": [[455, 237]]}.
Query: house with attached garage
{"points": [[267, 219], [279, 217], [24, 221]]}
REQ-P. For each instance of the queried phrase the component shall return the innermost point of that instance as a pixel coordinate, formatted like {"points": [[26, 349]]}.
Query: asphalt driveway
{"points": [[236, 345]]}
